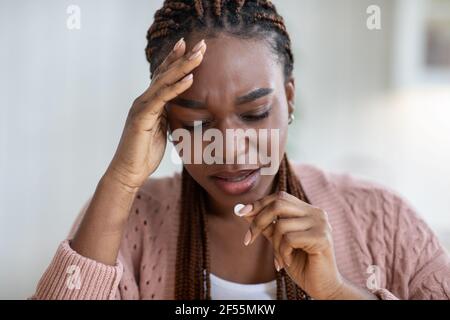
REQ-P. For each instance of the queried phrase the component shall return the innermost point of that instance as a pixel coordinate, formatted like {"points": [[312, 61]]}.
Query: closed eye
{"points": [[196, 124], [249, 117], [256, 116]]}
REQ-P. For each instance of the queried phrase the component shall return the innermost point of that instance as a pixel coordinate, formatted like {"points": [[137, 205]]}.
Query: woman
{"points": [[227, 230]]}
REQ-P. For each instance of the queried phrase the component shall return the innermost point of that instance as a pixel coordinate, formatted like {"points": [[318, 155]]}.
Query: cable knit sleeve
{"points": [[421, 255], [393, 237], [71, 276]]}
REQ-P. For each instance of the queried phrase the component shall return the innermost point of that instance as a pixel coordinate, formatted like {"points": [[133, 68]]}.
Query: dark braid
{"points": [[239, 5], [245, 19], [288, 182], [199, 9], [218, 7]]}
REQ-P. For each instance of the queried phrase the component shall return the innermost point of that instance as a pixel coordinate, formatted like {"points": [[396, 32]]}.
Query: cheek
{"points": [[196, 171], [277, 130]]}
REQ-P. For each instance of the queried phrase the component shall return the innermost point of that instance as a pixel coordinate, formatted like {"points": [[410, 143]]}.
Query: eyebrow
{"points": [[248, 97]]}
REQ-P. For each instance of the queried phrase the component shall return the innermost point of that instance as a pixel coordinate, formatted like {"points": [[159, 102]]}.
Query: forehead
{"points": [[232, 67]]}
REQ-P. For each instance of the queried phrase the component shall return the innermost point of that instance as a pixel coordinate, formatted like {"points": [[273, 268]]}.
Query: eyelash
{"points": [[256, 117], [191, 128], [249, 118]]}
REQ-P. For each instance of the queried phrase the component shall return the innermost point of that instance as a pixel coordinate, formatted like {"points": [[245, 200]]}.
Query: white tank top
{"points": [[222, 289]]}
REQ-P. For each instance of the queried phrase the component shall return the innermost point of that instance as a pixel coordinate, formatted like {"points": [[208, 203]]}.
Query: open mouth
{"points": [[236, 182]]}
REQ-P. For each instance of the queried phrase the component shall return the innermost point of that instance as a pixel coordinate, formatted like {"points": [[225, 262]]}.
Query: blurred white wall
{"points": [[64, 96]]}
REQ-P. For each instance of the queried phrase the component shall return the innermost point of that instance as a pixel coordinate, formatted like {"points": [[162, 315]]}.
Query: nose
{"points": [[238, 142]]}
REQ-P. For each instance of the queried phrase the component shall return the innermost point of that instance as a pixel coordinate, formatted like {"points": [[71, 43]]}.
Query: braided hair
{"points": [[245, 19]]}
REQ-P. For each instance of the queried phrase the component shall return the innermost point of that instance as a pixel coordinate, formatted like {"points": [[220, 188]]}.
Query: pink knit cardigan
{"points": [[380, 243]]}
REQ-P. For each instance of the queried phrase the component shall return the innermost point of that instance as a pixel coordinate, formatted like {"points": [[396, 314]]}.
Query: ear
{"points": [[290, 94]]}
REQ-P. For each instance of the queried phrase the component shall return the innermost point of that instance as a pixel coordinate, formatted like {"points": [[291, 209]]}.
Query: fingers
{"points": [[281, 207], [279, 217], [250, 210], [285, 226], [168, 92], [184, 65], [253, 209], [312, 241], [176, 53], [151, 108], [173, 78]]}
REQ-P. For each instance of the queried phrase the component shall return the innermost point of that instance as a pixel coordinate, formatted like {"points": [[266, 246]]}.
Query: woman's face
{"points": [[219, 97]]}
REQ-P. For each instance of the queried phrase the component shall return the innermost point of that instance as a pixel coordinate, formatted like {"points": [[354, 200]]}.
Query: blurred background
{"points": [[373, 100]]}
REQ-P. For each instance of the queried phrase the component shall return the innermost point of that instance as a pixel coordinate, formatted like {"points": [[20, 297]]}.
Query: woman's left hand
{"points": [[302, 243]]}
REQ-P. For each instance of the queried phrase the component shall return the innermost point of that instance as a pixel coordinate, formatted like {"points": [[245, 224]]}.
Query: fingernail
{"points": [[187, 78], [241, 209], [198, 46], [178, 44], [195, 55], [277, 266], [248, 237], [238, 208]]}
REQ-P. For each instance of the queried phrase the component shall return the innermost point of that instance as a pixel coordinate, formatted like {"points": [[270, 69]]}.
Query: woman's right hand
{"points": [[139, 153], [143, 142]]}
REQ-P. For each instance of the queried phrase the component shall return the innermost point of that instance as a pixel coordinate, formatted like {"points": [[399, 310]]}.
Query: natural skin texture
{"points": [[238, 76], [301, 241]]}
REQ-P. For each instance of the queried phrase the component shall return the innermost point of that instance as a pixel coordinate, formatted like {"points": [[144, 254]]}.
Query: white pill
{"points": [[238, 208]]}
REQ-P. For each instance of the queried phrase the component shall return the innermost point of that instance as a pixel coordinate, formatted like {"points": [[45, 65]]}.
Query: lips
{"points": [[234, 176], [236, 182]]}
